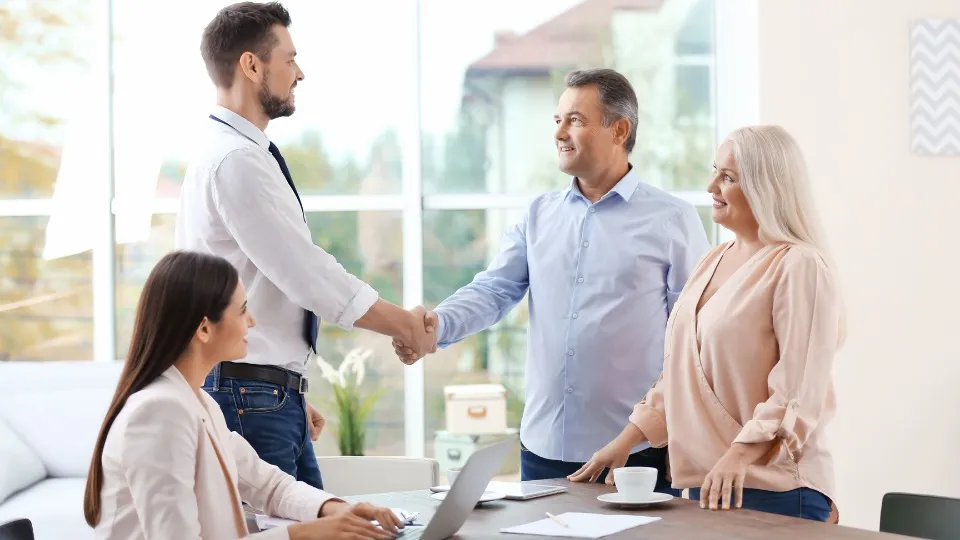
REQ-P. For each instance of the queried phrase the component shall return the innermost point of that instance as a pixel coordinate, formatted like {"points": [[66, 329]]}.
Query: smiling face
{"points": [[584, 145], [730, 206], [280, 76], [226, 339]]}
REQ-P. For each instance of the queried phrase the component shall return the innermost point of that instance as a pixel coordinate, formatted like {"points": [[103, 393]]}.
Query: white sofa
{"points": [[50, 414]]}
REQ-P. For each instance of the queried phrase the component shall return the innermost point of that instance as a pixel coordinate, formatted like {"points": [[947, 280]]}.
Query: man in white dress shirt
{"points": [[238, 201]]}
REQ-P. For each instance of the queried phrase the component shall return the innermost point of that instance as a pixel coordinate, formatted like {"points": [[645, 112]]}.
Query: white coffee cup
{"points": [[635, 483], [452, 474]]}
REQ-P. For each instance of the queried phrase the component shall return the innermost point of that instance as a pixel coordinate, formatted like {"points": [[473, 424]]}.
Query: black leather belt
{"points": [[271, 374]]}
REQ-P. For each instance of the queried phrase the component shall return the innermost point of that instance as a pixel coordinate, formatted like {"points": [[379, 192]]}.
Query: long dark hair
{"points": [[182, 289]]}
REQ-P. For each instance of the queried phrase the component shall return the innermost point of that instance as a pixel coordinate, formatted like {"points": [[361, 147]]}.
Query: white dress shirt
{"points": [[162, 477], [236, 203]]}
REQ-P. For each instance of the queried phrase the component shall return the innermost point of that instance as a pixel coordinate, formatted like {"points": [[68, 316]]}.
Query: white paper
{"points": [[270, 522], [581, 525]]}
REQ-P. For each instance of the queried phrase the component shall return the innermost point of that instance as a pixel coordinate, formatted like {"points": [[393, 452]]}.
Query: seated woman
{"points": [[746, 390], [165, 465]]}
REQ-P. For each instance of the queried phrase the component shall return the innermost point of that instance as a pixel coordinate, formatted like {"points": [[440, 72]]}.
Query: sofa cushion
{"points": [[19, 465], [55, 507], [57, 408]]}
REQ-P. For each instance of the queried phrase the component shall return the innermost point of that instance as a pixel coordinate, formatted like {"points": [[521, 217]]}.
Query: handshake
{"points": [[420, 337]]}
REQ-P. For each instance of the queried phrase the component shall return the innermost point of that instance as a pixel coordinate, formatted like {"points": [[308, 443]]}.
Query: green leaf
{"points": [[370, 402]]}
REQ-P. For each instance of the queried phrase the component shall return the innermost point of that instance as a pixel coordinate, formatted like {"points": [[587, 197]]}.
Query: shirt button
{"points": [[570, 352], [586, 244], [569, 390], [579, 280], [575, 315], [592, 209]]}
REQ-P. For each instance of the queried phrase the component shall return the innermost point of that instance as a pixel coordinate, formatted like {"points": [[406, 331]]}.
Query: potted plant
{"points": [[352, 403]]}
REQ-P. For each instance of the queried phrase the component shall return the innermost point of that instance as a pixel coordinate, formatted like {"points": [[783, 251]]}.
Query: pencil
{"points": [[558, 520]]}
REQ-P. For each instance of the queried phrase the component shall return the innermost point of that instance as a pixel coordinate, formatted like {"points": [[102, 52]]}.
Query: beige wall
{"points": [[836, 74]]}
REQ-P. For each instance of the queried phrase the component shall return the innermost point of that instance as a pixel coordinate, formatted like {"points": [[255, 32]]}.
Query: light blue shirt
{"points": [[602, 279]]}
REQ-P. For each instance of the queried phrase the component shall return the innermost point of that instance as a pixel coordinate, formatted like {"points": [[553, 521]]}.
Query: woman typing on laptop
{"points": [[165, 465]]}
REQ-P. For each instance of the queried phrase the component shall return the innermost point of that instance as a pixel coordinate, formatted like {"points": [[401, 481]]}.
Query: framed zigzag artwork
{"points": [[935, 87]]}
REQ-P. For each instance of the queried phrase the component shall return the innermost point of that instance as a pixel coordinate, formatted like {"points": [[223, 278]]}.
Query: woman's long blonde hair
{"points": [[775, 182]]}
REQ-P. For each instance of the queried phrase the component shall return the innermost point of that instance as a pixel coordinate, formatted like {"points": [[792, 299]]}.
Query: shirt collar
{"points": [[242, 125], [626, 187]]}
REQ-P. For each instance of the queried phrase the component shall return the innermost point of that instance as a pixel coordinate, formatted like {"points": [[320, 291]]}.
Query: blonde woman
{"points": [[746, 388]]}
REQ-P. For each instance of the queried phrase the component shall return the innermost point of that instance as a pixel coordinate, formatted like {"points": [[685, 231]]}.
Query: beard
{"points": [[273, 105]]}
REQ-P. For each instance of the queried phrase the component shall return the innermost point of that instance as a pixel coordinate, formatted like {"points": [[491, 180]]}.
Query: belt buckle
{"points": [[304, 385]]}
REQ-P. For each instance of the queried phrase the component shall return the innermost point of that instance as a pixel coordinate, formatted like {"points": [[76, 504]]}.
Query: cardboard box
{"points": [[453, 450], [476, 409]]}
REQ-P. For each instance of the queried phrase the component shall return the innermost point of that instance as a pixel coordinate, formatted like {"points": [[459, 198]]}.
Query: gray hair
{"points": [[617, 97]]}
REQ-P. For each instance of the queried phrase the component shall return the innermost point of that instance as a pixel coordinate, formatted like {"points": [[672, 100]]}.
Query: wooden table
{"points": [[680, 519]]}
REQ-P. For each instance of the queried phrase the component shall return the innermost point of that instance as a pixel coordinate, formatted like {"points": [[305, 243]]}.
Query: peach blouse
{"points": [[753, 366]]}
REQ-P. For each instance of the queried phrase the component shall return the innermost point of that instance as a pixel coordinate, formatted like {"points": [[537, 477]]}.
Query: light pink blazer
{"points": [[163, 476]]}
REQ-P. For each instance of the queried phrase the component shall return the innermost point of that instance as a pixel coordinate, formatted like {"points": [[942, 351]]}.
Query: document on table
{"points": [[270, 522], [581, 525]]}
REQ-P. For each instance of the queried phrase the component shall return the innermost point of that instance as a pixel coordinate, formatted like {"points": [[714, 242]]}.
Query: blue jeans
{"points": [[534, 467], [803, 503], [273, 419]]}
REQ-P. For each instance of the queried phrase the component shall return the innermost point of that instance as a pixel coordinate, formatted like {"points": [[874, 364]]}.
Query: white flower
{"points": [[356, 359], [353, 363], [360, 371], [327, 372]]}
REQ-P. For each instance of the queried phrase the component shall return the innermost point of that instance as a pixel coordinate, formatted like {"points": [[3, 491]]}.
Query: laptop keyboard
{"points": [[410, 533]]}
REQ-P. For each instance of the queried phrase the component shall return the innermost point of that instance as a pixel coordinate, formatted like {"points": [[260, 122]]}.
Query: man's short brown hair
{"points": [[239, 28]]}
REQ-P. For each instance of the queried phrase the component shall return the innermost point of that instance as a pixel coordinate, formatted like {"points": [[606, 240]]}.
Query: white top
{"points": [[236, 203], [162, 476]]}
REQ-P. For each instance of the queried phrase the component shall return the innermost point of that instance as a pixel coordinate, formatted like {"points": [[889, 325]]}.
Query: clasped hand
{"points": [[421, 339]]}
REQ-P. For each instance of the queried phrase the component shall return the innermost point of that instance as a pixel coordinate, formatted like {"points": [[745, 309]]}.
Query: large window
{"points": [[45, 266], [46, 304], [490, 89], [368, 244], [417, 141], [457, 245]]}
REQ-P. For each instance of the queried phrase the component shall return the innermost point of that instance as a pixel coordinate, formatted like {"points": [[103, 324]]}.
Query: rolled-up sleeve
{"points": [[264, 218], [650, 415], [806, 321]]}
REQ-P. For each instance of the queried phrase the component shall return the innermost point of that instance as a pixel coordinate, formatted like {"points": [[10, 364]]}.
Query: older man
{"points": [[603, 262]]}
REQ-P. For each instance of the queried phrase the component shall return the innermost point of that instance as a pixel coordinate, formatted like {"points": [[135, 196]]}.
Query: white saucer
{"points": [[621, 500], [486, 497]]}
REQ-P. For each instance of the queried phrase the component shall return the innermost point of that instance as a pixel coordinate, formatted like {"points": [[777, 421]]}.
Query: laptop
{"points": [[463, 495]]}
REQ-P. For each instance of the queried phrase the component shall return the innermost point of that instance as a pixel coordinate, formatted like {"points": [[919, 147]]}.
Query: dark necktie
{"points": [[310, 320]]}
